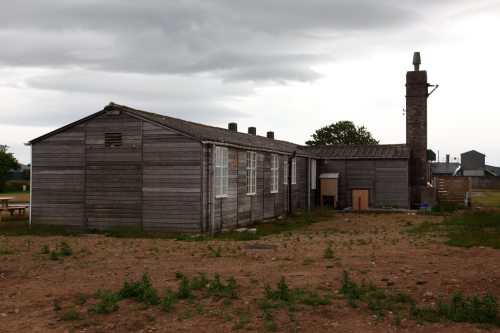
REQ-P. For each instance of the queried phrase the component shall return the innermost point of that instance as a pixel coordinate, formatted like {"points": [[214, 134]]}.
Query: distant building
{"points": [[472, 163]]}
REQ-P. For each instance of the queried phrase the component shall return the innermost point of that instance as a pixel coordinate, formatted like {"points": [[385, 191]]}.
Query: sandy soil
{"points": [[376, 248]]}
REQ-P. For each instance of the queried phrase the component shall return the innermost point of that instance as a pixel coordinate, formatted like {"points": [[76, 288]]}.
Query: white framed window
{"points": [[285, 171], [294, 171], [313, 174], [251, 172], [221, 168], [274, 173]]}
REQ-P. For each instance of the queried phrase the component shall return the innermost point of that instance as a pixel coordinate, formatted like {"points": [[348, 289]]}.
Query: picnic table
{"points": [[4, 201], [4, 206]]}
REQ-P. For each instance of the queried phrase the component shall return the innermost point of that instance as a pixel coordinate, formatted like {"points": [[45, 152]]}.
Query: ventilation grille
{"points": [[113, 140]]}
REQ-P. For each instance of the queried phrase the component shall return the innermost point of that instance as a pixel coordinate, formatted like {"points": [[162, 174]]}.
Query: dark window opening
{"points": [[113, 140]]}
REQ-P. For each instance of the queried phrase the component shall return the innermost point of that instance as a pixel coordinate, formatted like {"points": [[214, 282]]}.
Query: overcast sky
{"points": [[284, 65]]}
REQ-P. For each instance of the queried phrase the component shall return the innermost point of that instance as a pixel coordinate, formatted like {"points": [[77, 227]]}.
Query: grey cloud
{"points": [[278, 40], [235, 40]]}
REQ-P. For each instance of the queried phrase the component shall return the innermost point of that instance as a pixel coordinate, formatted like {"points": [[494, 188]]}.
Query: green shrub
{"points": [[53, 255], [469, 309], [167, 302], [65, 250], [309, 297], [183, 290], [218, 289], [282, 292], [108, 302], [349, 288], [141, 290], [199, 282], [45, 249]]}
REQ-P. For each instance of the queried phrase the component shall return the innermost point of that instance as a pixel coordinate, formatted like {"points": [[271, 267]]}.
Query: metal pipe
{"points": [[290, 159], [212, 190]]}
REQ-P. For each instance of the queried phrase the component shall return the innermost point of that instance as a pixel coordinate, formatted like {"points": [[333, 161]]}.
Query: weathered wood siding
{"points": [[152, 181], [171, 181], [58, 179], [113, 175], [239, 208], [386, 180]]}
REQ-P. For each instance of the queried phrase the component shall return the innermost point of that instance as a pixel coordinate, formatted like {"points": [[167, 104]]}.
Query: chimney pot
{"points": [[416, 61], [232, 127], [252, 130], [270, 135]]}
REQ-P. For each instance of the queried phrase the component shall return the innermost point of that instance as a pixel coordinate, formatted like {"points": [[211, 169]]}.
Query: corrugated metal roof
{"points": [[397, 151], [444, 168], [495, 171]]}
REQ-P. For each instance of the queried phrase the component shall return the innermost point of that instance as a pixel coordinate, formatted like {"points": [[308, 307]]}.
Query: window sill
{"points": [[221, 196], [250, 194], [274, 192]]}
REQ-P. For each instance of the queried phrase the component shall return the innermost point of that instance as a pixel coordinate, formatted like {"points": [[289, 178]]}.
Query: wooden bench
{"points": [[11, 209]]}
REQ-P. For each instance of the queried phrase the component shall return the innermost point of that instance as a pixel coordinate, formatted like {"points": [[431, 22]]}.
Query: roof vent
{"points": [[252, 130], [270, 135], [232, 127]]}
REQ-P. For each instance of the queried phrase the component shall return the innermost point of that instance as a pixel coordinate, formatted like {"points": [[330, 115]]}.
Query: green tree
{"points": [[7, 162], [343, 132]]}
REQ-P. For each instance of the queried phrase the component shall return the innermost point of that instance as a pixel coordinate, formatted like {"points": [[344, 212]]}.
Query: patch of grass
{"points": [[218, 289], [82, 298], [53, 255], [469, 309], [108, 302], [282, 292], [6, 250], [22, 228], [486, 198], [167, 302], [328, 254], [309, 297], [474, 229], [71, 315], [425, 227], [183, 291], [216, 253], [56, 305], [45, 249], [65, 249], [199, 282], [19, 196], [350, 289], [141, 290]]}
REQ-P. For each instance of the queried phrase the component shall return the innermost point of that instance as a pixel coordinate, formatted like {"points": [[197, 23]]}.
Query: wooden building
{"points": [[369, 175], [122, 167]]}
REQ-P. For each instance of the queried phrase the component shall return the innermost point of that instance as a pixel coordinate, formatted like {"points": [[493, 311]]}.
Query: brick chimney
{"points": [[416, 128]]}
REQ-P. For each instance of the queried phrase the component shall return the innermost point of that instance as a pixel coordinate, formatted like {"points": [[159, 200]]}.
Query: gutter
{"points": [[280, 152]]}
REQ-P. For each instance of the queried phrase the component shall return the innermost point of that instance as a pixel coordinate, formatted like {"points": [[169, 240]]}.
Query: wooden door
{"points": [[360, 200]]}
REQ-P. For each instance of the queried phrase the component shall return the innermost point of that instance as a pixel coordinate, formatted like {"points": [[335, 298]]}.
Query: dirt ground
{"points": [[374, 247]]}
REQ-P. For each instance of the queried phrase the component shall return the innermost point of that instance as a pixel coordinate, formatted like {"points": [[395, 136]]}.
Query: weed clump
{"points": [[71, 315], [108, 302], [65, 249], [141, 290]]}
